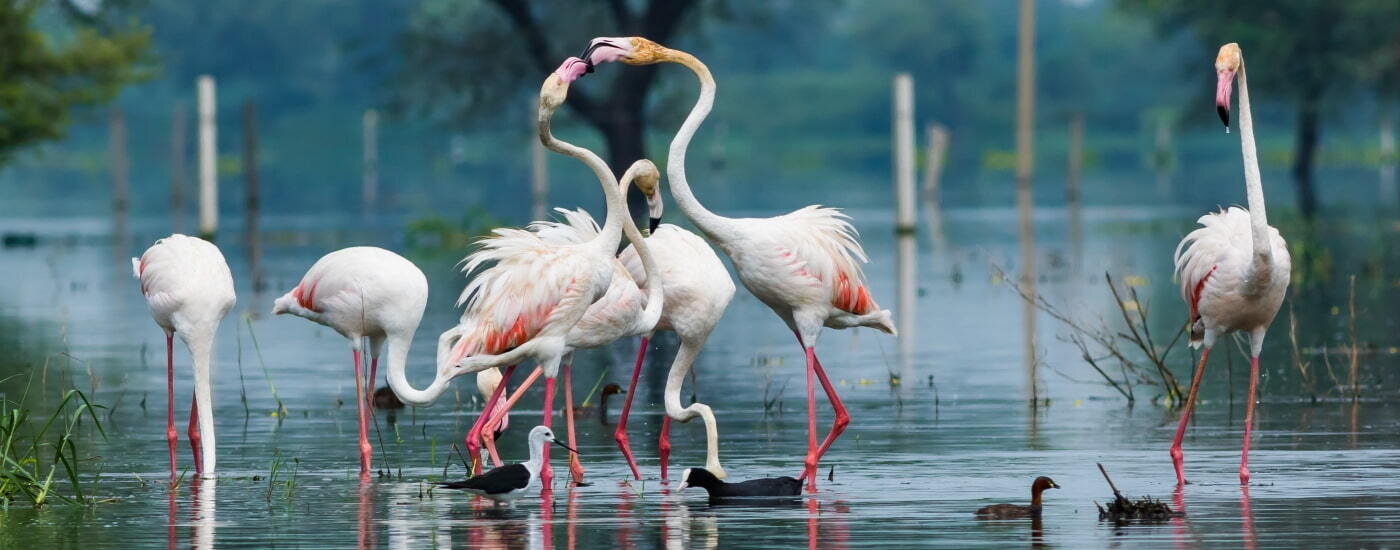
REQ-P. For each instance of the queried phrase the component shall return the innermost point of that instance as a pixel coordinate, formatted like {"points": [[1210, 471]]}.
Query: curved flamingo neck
{"points": [[398, 346], [709, 222], [613, 225], [1262, 265], [655, 300]]}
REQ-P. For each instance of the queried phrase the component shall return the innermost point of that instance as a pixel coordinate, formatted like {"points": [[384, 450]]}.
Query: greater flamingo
{"points": [[527, 295], [363, 292], [805, 265], [189, 289], [698, 289], [625, 310], [1233, 270]]}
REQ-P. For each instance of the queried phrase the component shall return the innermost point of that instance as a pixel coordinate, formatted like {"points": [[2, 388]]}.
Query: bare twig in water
{"points": [[1097, 335], [1308, 382], [1351, 330], [281, 409]]}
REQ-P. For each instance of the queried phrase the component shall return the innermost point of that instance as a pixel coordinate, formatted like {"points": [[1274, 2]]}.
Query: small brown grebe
{"points": [[608, 391], [1015, 511]]}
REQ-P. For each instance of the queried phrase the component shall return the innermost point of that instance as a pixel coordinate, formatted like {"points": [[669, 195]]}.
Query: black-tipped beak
{"points": [[566, 447], [652, 224], [1054, 485], [1224, 113]]}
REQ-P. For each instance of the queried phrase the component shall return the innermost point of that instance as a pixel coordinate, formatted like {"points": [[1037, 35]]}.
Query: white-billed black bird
{"points": [[753, 489], [509, 482]]}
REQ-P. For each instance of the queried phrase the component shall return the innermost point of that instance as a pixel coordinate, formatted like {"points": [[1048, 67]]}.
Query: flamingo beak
{"points": [[561, 444], [1224, 81]]}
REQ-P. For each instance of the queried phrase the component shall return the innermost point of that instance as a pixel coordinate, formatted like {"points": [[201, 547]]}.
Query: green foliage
{"points": [[436, 233], [43, 77], [30, 460]]}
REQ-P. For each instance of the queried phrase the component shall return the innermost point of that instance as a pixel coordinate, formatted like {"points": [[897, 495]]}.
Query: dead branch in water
{"points": [[1115, 345]]}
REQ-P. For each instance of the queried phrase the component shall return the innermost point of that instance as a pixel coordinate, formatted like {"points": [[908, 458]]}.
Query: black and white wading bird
{"points": [[753, 489], [509, 482]]}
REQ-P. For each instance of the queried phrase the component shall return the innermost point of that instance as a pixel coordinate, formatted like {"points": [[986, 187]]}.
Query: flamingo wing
{"points": [[821, 244], [519, 285], [576, 227], [1212, 259]]}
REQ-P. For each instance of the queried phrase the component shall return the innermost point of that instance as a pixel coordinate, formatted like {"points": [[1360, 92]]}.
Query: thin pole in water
{"points": [[1074, 167], [117, 162], [1025, 127], [937, 137], [369, 185], [252, 198], [208, 158], [906, 218], [177, 167], [539, 180]]}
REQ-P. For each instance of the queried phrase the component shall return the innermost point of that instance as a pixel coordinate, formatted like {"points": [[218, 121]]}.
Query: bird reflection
{"points": [[837, 534], [1247, 520], [679, 525], [202, 496], [1037, 533], [365, 516]]}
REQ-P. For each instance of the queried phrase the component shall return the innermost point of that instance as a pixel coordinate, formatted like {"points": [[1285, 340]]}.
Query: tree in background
{"points": [[467, 59], [1306, 51], [54, 60]]}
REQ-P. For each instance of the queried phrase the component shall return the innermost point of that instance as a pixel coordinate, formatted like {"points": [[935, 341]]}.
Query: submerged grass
{"points": [[34, 450]]}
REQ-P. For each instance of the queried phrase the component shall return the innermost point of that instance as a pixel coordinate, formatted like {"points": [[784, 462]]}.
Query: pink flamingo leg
{"points": [[194, 437], [488, 432], [361, 404], [838, 426], [575, 469], [473, 441], [1178, 458], [663, 447], [373, 375], [547, 473], [620, 434], [809, 465], [1249, 421], [171, 436]]}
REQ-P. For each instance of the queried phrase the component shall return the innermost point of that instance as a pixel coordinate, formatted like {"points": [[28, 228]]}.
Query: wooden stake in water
{"points": [[1389, 193], [208, 160], [117, 161], [539, 180], [936, 136], [252, 196], [369, 185], [906, 218], [1025, 127], [177, 167], [1074, 166]]}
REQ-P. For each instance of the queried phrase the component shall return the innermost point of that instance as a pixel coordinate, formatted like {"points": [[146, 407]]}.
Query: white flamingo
{"points": [[805, 265], [1234, 269], [698, 289], [189, 289], [527, 295], [363, 292]]}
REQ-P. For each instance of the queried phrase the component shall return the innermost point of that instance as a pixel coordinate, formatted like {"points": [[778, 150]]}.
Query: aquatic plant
{"points": [[34, 450], [1099, 344], [1121, 510]]}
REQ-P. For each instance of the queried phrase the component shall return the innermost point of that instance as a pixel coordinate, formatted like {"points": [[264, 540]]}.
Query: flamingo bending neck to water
{"points": [[805, 265], [1234, 269], [363, 292], [188, 286]]}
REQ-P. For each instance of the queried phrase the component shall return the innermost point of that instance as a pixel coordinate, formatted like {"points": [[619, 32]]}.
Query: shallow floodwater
{"points": [[955, 435]]}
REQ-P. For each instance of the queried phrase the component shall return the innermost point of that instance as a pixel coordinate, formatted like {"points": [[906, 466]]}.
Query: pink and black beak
{"points": [[602, 50], [1225, 79]]}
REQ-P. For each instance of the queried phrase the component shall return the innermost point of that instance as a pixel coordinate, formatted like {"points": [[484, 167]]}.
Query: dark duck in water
{"points": [[1015, 511], [608, 391], [753, 489]]}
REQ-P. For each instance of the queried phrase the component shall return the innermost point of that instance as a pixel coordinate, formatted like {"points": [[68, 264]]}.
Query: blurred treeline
{"points": [[803, 103]]}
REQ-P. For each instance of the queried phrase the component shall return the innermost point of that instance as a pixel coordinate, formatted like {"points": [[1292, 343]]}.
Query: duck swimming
{"points": [[770, 488], [1014, 511]]}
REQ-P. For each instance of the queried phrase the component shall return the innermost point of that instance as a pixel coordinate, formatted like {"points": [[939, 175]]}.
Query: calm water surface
{"points": [[917, 460]]}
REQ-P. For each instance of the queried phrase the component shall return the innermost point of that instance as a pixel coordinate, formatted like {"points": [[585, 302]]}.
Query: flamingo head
{"points": [[556, 88], [1227, 63], [648, 180], [632, 50]]}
